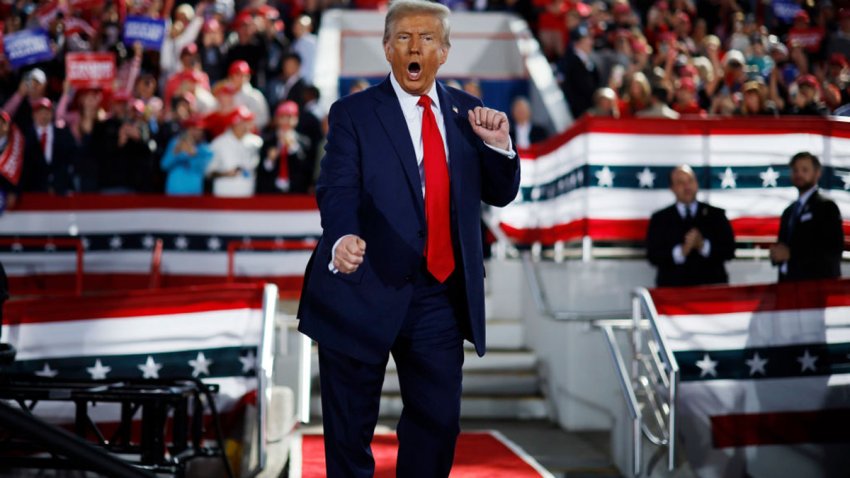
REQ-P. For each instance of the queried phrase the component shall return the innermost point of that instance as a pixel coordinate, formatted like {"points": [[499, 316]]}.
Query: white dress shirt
{"points": [[522, 131], [678, 256], [48, 150], [413, 117]]}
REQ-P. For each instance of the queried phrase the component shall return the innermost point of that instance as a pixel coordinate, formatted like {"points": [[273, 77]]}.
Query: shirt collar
{"points": [[804, 197], [680, 206], [408, 101]]}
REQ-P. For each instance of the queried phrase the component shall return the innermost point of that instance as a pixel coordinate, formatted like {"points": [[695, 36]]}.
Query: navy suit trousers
{"points": [[428, 353]]}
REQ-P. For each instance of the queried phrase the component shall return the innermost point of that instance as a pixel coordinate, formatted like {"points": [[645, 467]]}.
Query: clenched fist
{"points": [[349, 253]]}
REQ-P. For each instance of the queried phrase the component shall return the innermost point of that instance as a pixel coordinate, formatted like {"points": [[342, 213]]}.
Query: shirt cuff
{"points": [[706, 248], [331, 267], [509, 153], [678, 256]]}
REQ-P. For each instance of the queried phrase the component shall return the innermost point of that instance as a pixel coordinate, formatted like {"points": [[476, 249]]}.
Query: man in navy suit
{"points": [[690, 241], [399, 267], [49, 154], [811, 236]]}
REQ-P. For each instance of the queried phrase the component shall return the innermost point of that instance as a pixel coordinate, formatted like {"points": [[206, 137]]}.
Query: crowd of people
{"points": [[674, 58], [227, 106]]}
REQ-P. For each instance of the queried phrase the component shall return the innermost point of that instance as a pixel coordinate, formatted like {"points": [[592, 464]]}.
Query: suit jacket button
{"points": [[408, 278], [421, 233]]}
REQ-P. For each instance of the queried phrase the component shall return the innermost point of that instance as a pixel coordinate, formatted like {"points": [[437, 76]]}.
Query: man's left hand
{"points": [[491, 126]]}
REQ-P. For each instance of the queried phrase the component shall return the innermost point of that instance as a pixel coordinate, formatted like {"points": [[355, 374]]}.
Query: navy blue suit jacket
{"points": [[370, 186]]}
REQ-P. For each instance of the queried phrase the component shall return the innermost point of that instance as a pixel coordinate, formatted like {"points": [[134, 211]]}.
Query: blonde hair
{"points": [[402, 8]]}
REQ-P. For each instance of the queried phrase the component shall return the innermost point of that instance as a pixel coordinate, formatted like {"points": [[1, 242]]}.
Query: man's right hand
{"points": [[779, 253], [349, 253]]}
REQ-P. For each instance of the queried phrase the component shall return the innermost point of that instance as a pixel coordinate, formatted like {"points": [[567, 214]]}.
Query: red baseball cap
{"points": [[224, 88], [120, 96], [138, 106], [42, 103], [244, 18], [239, 67], [621, 8], [189, 49], [212, 25], [583, 9], [801, 15], [288, 108], [194, 121], [807, 80], [838, 58]]}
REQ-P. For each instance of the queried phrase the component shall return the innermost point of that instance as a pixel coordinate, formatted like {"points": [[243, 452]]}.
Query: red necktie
{"points": [[43, 140], [283, 168], [438, 248]]}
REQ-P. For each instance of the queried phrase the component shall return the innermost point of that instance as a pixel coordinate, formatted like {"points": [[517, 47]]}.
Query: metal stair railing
{"points": [[649, 382]]}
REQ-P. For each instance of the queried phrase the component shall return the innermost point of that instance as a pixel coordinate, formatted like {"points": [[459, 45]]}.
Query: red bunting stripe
{"points": [[690, 127], [818, 294], [135, 304], [94, 202], [781, 428]]}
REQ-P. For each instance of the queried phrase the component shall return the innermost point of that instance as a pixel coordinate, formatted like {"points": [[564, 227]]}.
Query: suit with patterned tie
{"points": [[815, 237], [371, 186]]}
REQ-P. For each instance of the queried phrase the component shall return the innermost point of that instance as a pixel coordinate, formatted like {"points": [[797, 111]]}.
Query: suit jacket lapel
{"points": [[391, 117], [451, 116]]}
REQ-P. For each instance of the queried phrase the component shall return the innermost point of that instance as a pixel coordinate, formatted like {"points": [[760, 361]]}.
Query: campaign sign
{"points": [[785, 10], [27, 47], [147, 31], [77, 5], [90, 70]]}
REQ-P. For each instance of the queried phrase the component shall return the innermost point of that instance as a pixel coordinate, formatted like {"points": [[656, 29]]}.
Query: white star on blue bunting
{"points": [[728, 179], [769, 177], [605, 177], [757, 364], [707, 366], [807, 361], [200, 365], [98, 372]]}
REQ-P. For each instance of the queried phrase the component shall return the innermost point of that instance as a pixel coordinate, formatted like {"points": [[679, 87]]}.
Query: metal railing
{"points": [[544, 307], [649, 384], [278, 245], [50, 244]]}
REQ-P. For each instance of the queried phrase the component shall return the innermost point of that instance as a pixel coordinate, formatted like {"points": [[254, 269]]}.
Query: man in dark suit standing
{"points": [[49, 154], [689, 241], [399, 267], [288, 86], [811, 237], [580, 71], [524, 132]]}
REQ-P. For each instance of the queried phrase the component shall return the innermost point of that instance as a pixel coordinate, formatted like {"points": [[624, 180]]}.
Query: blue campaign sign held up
{"points": [[27, 47], [785, 10], [147, 31]]}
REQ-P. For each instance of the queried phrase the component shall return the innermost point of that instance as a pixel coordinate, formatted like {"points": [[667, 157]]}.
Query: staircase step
{"points": [[528, 407], [496, 361], [497, 384], [503, 335]]}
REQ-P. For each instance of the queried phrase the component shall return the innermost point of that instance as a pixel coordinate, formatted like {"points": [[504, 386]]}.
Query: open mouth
{"points": [[414, 70]]}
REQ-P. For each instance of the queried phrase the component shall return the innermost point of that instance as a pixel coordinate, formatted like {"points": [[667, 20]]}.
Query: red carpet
{"points": [[478, 455]]}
